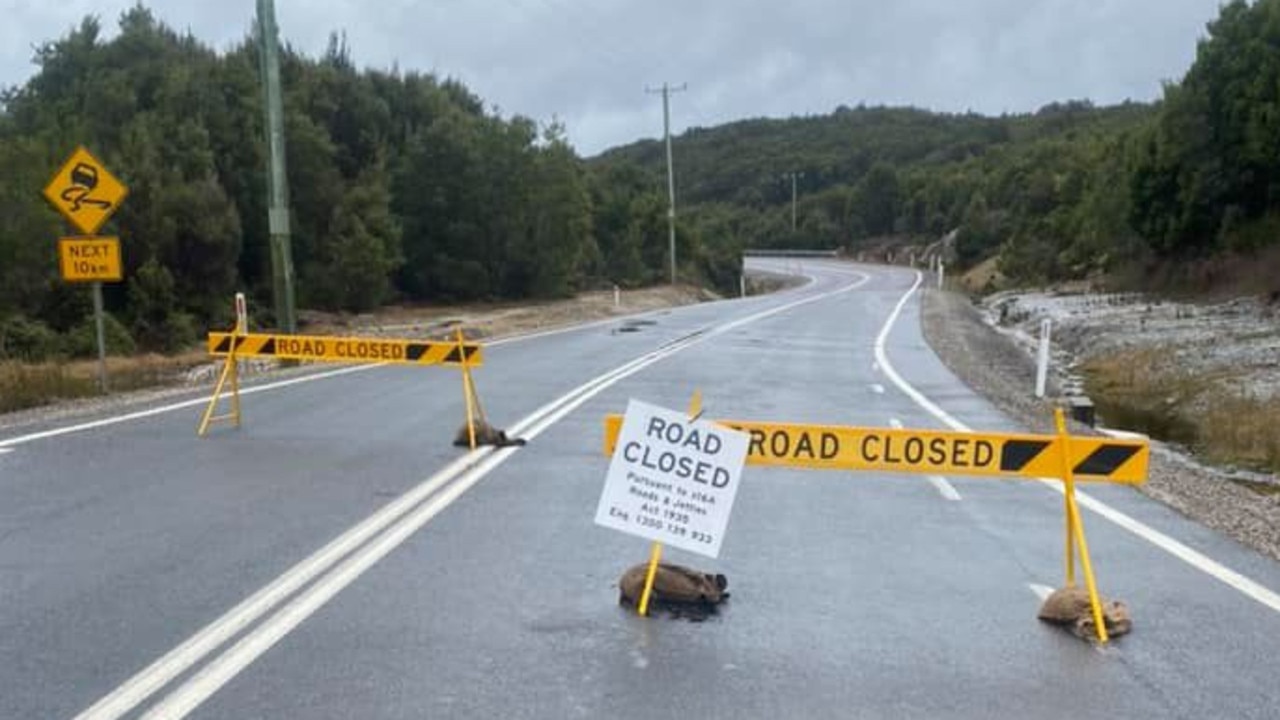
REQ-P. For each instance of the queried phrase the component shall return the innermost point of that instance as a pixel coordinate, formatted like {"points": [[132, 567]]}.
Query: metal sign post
{"points": [[102, 337]]}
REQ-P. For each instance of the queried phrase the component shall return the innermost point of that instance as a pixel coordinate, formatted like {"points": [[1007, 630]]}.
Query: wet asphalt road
{"points": [[854, 595]]}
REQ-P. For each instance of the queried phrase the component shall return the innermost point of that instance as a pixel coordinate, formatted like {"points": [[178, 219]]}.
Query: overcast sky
{"points": [[588, 62]]}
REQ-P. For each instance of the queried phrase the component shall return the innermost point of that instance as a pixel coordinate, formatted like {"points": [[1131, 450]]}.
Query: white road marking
{"points": [[1041, 591], [945, 488], [877, 388], [1205, 564], [150, 412], [4, 450], [397, 521], [160, 410]]}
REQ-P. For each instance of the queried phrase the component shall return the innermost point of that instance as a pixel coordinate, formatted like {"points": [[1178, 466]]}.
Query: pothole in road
{"points": [[630, 326]]}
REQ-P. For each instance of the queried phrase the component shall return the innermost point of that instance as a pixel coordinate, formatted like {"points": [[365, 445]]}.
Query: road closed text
{"points": [[671, 459], [871, 449], [889, 449], [341, 349], [672, 479]]}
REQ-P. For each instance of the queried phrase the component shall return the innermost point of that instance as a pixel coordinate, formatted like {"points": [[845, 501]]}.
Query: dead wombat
{"points": [[676, 589], [1069, 606], [486, 434]]}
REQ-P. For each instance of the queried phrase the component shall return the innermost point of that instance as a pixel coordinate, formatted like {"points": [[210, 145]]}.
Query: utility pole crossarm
{"points": [[666, 91]]}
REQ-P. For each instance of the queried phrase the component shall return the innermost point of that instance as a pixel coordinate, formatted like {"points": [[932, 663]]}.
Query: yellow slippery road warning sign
{"points": [[346, 349], [932, 452], [85, 192]]}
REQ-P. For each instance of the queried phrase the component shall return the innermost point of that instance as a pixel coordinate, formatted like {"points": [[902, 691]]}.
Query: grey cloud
{"points": [[589, 62]]}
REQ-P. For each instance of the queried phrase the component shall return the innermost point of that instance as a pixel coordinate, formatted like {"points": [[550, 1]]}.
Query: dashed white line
{"points": [[945, 488], [5, 450], [1200, 561], [895, 423], [877, 388], [1041, 591]]}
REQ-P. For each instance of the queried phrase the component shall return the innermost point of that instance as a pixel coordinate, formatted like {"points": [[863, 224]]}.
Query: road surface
{"points": [[337, 558]]}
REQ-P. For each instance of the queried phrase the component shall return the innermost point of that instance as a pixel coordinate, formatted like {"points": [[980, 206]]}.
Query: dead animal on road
{"points": [[1069, 607], [678, 590], [486, 434]]}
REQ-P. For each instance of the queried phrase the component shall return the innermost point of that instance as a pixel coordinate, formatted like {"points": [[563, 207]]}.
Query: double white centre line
{"points": [[317, 579]]}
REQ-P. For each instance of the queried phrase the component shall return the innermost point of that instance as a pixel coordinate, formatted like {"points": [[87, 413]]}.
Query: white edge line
{"points": [[1196, 559], [311, 377], [945, 488], [149, 412], [155, 676]]}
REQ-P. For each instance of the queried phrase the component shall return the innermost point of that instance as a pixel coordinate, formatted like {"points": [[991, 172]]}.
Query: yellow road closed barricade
{"points": [[1063, 456], [829, 447], [345, 349], [239, 344]]}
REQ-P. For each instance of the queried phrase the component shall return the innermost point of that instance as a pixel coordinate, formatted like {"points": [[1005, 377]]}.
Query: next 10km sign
{"points": [[672, 480]]}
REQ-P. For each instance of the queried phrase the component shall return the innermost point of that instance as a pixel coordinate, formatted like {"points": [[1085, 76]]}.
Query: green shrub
{"points": [[25, 339], [82, 341]]}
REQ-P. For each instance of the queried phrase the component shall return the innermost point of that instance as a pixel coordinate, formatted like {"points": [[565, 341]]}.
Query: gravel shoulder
{"points": [[1000, 368]]}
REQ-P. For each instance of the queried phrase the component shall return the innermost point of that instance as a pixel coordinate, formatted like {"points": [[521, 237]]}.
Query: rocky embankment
{"points": [[991, 347]]}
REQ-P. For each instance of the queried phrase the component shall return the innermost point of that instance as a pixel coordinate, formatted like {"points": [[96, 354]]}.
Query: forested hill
{"points": [[1016, 182], [404, 187], [743, 162], [1184, 191]]}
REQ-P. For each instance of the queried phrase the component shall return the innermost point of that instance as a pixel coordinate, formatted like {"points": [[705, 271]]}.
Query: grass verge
{"points": [[1146, 390], [27, 385]]}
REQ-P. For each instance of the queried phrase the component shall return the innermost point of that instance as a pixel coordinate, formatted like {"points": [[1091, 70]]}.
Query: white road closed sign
{"points": [[672, 480]]}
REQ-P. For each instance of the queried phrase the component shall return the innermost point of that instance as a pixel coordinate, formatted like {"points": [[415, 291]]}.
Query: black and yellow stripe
{"points": [[346, 349]]}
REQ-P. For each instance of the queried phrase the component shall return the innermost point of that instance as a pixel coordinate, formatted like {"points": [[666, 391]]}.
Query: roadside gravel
{"points": [[1003, 371]]}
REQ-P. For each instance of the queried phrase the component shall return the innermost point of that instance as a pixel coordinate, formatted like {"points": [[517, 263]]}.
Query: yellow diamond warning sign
{"points": [[933, 452], [85, 192], [346, 349], [94, 259]]}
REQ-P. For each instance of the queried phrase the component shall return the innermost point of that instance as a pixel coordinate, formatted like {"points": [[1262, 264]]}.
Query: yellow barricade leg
{"points": [[230, 371], [469, 394], [655, 552], [655, 556], [1076, 528]]}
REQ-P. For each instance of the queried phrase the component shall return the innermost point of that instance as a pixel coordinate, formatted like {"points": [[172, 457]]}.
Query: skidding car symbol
{"points": [[84, 178]]}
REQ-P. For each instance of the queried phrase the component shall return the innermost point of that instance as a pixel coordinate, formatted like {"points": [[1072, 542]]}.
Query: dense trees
{"points": [[403, 187]]}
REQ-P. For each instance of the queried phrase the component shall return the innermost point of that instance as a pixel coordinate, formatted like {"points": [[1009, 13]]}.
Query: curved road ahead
{"points": [[337, 558]]}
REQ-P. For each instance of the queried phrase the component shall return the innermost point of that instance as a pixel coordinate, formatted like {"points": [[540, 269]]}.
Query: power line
{"points": [[671, 178]]}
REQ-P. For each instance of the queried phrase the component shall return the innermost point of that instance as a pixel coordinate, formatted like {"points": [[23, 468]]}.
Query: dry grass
{"points": [[1146, 390], [25, 385], [982, 278]]}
